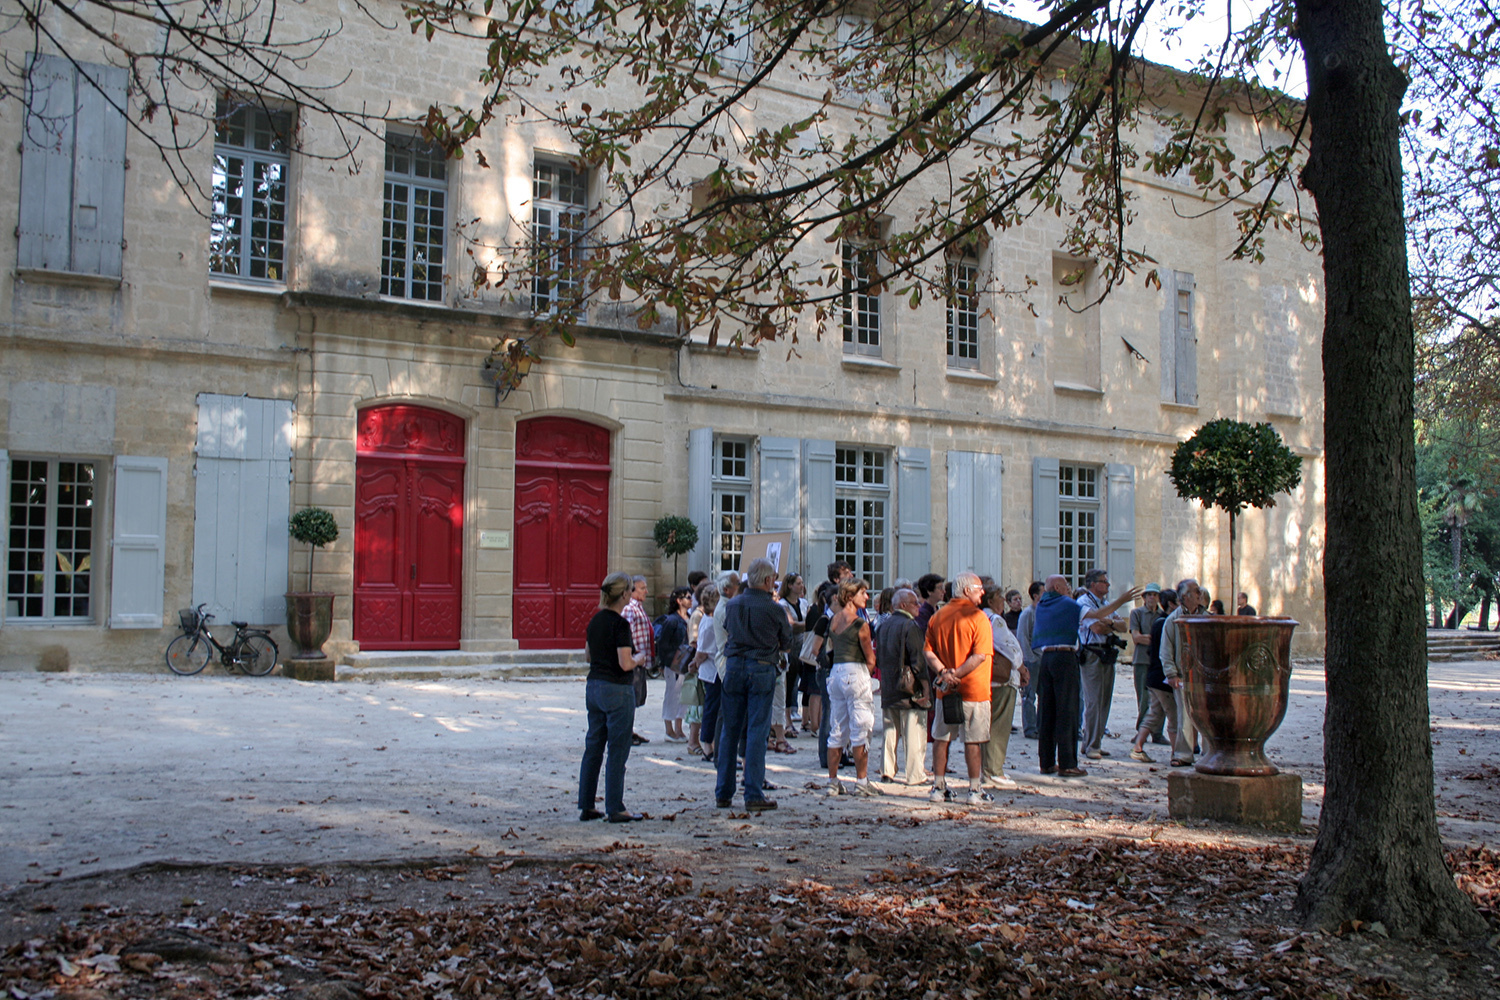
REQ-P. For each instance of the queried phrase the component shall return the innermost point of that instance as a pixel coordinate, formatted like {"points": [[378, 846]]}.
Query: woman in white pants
{"points": [[851, 700]]}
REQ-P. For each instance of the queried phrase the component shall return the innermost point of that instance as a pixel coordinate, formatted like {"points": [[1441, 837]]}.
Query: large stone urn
{"points": [[1238, 671], [309, 621]]}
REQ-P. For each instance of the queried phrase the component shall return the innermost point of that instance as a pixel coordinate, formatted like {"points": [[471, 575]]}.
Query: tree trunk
{"points": [[1484, 613], [1234, 573], [1378, 855]]}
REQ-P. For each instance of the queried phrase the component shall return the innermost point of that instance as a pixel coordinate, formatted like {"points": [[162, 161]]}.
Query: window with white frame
{"points": [[861, 511], [49, 565], [559, 213], [731, 498], [1077, 521], [247, 224], [860, 299], [963, 313], [413, 238]]}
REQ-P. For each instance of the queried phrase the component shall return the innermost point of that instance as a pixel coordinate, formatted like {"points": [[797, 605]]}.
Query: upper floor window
{"points": [[861, 511], [1075, 325], [413, 236], [247, 226], [963, 313], [860, 299], [731, 499], [1077, 521], [1179, 346], [559, 214], [49, 566]]}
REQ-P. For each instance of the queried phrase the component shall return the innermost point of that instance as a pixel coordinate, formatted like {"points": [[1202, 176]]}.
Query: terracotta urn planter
{"points": [[1238, 670], [309, 621]]}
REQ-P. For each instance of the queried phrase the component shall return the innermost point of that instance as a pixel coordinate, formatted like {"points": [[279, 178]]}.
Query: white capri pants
{"points": [[851, 706]]}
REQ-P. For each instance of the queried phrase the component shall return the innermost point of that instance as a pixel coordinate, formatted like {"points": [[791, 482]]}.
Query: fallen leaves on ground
{"points": [[1106, 919]]}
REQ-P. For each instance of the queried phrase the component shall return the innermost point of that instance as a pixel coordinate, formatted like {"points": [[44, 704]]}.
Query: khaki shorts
{"points": [[974, 729]]}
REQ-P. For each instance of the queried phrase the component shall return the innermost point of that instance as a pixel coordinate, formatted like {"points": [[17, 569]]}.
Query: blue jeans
{"points": [[821, 679], [712, 695], [1057, 709], [611, 709], [745, 705], [1028, 706]]}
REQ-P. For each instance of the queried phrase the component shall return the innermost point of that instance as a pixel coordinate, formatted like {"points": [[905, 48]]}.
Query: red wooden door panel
{"points": [[562, 523], [408, 529]]}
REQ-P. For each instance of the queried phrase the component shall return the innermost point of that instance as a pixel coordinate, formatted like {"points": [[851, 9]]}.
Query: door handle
{"points": [[413, 571]]}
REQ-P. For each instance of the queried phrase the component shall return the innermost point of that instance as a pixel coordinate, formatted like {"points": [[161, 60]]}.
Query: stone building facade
{"points": [[174, 388]]}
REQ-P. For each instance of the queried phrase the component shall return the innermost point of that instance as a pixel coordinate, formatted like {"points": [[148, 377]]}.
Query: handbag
{"points": [[806, 654], [692, 691], [953, 708]]}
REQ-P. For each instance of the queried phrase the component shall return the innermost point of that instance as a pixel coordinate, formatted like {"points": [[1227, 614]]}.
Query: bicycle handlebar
{"points": [[204, 615]]}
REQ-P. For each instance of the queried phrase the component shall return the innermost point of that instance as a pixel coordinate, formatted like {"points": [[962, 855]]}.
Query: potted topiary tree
{"points": [[675, 535], [309, 613]]}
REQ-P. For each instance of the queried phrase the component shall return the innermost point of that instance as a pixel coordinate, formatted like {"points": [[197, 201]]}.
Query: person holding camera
{"points": [[1098, 649]]}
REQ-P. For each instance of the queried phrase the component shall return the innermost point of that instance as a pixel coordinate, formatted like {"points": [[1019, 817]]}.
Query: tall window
{"points": [[49, 569], [861, 502], [247, 227], [861, 303], [963, 314], [731, 500], [413, 236], [559, 213], [1077, 521]]}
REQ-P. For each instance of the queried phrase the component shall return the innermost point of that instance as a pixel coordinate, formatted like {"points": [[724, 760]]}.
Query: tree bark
{"points": [[1378, 855]]}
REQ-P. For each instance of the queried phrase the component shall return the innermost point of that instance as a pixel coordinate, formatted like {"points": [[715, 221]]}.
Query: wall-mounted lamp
{"points": [[508, 362]]}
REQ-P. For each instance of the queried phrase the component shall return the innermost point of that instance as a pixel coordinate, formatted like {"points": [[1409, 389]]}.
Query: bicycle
{"points": [[251, 651]]}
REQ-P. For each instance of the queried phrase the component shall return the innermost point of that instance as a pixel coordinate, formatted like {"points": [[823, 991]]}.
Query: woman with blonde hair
{"points": [[708, 600], [851, 702], [610, 700]]}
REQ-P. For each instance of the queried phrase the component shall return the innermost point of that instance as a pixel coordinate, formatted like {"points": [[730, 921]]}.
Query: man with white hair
{"points": [[905, 692], [960, 650], [1189, 599], [759, 631], [712, 677]]}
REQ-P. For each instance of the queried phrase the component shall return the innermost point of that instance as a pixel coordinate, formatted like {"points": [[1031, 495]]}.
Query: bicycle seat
{"points": [[240, 624]]}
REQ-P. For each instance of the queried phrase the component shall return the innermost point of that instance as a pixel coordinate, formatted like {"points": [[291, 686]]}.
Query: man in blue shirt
{"points": [[1096, 663], [1054, 634], [759, 630]]}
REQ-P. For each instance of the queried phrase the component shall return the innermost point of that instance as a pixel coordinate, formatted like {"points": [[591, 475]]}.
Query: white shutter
{"points": [[138, 545], [243, 496], [914, 504], [988, 516], [1119, 542], [700, 494], [817, 477], [1168, 347], [1044, 531], [960, 513], [45, 222], [4, 522], [781, 492], [1186, 354], [99, 170]]}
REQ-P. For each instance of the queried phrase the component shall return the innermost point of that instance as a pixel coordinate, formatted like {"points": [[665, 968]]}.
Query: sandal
{"points": [[695, 751], [783, 747]]}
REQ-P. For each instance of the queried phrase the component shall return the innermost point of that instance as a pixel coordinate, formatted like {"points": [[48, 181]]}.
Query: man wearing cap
{"points": [[1141, 620]]}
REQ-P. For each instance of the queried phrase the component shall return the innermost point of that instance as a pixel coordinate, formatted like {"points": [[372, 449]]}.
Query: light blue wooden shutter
{"points": [[817, 478], [1044, 531], [700, 494], [243, 497], [960, 513], [138, 545], [1119, 541], [4, 518], [914, 504], [45, 222], [1186, 354], [99, 170], [781, 492]]}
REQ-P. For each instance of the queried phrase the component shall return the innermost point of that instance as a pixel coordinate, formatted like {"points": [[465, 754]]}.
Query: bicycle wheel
{"points": [[188, 654], [255, 654]]}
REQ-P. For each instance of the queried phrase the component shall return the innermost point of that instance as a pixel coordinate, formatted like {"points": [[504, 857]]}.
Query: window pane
{"points": [[963, 314], [50, 562]]}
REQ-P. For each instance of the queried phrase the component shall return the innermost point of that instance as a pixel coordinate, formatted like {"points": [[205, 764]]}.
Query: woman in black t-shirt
{"points": [[610, 699]]}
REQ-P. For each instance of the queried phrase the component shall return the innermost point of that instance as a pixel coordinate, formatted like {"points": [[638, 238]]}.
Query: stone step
{"points": [[513, 664], [492, 671]]}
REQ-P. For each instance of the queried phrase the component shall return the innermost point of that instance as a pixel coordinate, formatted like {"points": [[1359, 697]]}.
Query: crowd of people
{"points": [[751, 662]]}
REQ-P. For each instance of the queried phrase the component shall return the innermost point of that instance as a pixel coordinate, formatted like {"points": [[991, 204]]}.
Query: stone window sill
{"points": [[268, 289], [971, 376], [77, 279], [1079, 389], [1180, 407], [869, 364]]}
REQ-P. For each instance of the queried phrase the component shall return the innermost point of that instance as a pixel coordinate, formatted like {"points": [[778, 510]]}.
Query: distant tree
{"points": [[675, 535]]}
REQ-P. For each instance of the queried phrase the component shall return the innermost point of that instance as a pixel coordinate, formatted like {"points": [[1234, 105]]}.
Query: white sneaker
{"points": [[1000, 781], [940, 794], [1093, 755], [837, 788], [863, 790], [979, 797]]}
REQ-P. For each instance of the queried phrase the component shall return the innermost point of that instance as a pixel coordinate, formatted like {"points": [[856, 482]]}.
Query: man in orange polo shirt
{"points": [[960, 650]]}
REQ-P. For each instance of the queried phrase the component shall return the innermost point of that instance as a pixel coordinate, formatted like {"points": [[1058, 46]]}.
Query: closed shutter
{"points": [[138, 546], [914, 505], [99, 171], [781, 491], [817, 475], [1168, 348], [45, 224], [243, 496], [1186, 355], [1119, 541], [700, 494], [960, 513], [4, 521], [1044, 533], [975, 535]]}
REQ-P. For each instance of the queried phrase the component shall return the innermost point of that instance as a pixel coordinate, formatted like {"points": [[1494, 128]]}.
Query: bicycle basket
{"points": [[189, 619]]}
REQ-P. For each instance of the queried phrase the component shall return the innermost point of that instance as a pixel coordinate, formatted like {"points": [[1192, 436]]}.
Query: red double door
{"points": [[408, 529], [562, 530]]}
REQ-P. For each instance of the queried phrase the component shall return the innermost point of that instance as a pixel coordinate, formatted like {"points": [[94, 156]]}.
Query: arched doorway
{"points": [[408, 528], [562, 530]]}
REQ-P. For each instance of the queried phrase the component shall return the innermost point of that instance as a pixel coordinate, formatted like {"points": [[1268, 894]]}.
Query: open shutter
{"points": [[4, 521], [1186, 356], [817, 475], [99, 170], [700, 494], [243, 486], [1044, 532], [46, 210], [138, 546], [781, 492], [914, 504], [1119, 542], [988, 524], [960, 513]]}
